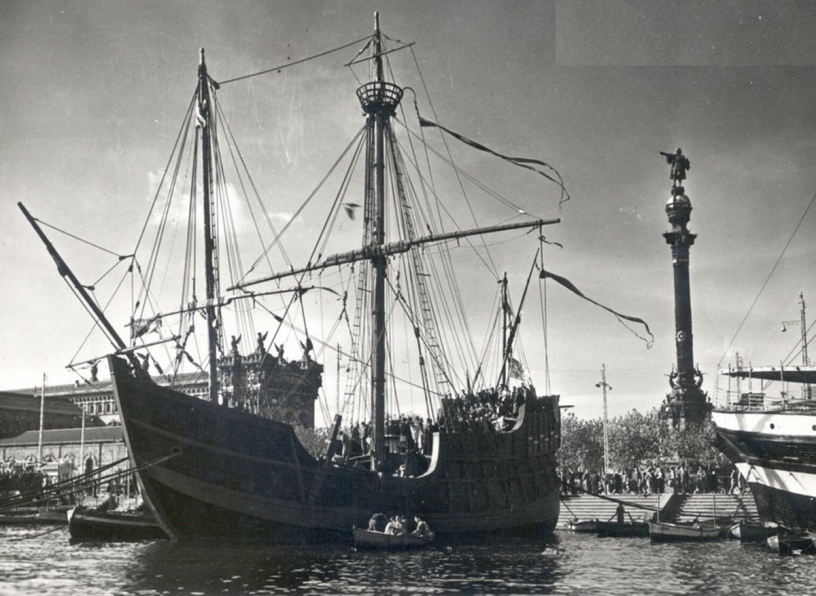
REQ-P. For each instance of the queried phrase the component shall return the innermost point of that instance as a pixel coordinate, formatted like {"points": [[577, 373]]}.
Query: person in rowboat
{"points": [[377, 522], [422, 529], [395, 527]]}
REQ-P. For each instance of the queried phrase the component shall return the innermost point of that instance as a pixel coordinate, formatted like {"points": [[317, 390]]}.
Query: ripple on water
{"points": [[42, 562]]}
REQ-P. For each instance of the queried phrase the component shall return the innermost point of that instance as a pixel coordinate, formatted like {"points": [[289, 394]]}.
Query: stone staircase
{"points": [[673, 508], [592, 507], [706, 506]]}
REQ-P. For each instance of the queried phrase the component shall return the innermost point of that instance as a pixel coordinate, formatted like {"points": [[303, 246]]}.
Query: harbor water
{"points": [[41, 561]]}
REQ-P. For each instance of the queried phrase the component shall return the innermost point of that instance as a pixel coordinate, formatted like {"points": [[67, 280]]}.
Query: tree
{"points": [[581, 443], [635, 439], [695, 444]]}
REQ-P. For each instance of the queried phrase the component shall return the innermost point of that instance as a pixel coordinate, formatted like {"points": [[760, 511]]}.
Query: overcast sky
{"points": [[93, 93]]}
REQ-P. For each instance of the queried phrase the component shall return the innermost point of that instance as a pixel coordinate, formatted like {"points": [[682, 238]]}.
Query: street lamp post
{"points": [[606, 387], [802, 322]]}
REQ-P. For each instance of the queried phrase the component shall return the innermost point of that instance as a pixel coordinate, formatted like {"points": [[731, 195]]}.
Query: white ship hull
{"points": [[775, 450]]}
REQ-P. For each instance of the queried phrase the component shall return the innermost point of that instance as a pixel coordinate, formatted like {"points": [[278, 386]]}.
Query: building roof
{"points": [[105, 386], [31, 403], [94, 434]]}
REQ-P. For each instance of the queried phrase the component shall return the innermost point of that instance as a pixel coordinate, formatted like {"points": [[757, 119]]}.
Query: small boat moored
{"points": [[34, 516], [583, 525], [669, 532], [792, 544], [619, 529], [747, 530], [86, 524], [381, 540]]}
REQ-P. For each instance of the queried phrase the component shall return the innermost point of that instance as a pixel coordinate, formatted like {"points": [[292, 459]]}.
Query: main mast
{"points": [[379, 100], [205, 120]]}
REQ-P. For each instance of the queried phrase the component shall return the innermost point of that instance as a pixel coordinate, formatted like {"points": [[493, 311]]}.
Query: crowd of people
{"points": [[485, 409], [410, 437], [19, 477], [413, 432], [488, 409], [494, 408], [654, 479]]}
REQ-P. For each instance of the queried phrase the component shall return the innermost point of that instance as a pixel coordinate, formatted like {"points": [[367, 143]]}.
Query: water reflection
{"points": [[518, 566], [37, 563]]}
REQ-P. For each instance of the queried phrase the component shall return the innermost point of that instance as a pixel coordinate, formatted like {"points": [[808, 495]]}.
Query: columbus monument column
{"points": [[687, 404]]}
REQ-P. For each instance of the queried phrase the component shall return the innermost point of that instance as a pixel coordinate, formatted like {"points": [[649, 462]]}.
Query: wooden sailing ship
{"points": [[226, 464]]}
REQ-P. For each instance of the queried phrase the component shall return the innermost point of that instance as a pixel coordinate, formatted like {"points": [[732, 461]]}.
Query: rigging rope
{"points": [[103, 249], [492, 268], [296, 62], [257, 194], [767, 279], [304, 204], [453, 303]]}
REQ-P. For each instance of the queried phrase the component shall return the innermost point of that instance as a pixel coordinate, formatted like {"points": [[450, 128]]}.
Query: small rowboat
{"points": [[753, 531], [792, 544], [668, 532], [112, 526], [381, 540], [30, 516], [583, 525]]}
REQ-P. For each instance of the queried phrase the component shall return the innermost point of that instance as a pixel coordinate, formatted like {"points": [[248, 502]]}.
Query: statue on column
{"points": [[679, 163]]}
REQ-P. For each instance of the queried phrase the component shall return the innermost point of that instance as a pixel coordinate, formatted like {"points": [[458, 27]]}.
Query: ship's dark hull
{"points": [[776, 453], [211, 472]]}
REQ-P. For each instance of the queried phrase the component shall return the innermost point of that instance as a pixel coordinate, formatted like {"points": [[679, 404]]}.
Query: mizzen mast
{"points": [[210, 254]]}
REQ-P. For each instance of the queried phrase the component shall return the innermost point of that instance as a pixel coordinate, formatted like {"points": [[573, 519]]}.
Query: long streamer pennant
{"points": [[571, 287], [523, 162]]}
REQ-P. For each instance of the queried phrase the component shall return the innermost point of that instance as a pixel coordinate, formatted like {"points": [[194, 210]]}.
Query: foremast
{"points": [[210, 248]]}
